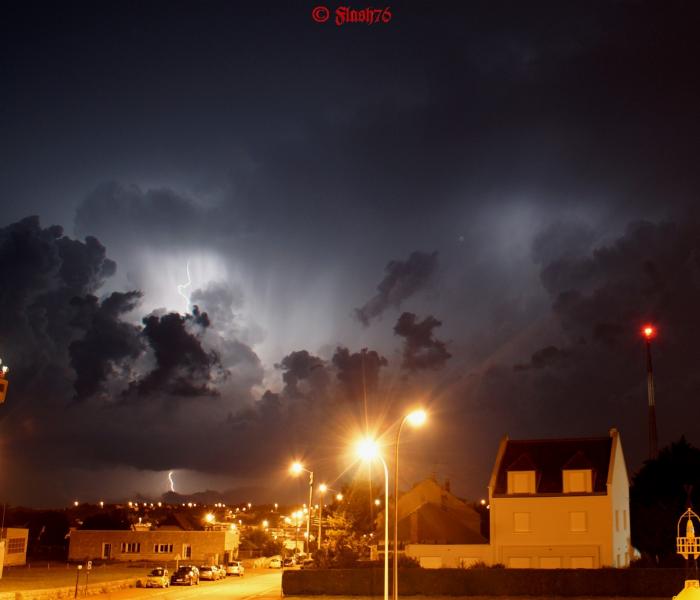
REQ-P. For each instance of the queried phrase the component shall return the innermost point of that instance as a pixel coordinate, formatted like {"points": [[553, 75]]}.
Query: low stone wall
{"points": [[489, 582], [66, 593]]}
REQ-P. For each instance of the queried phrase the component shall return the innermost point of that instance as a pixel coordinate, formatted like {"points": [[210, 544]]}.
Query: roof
{"points": [[549, 457]]}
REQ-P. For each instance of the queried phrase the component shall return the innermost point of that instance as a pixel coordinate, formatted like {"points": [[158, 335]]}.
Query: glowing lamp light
{"points": [[296, 468], [367, 449], [417, 418], [209, 518], [649, 331], [339, 497], [323, 488], [377, 502]]}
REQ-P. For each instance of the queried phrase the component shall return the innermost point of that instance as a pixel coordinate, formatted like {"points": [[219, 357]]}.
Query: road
{"points": [[261, 584]]}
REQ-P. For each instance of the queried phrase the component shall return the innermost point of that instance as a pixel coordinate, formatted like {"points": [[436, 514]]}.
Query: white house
{"points": [[560, 503]]}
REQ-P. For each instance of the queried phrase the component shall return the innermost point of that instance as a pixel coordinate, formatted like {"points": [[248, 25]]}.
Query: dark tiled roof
{"points": [[549, 457]]}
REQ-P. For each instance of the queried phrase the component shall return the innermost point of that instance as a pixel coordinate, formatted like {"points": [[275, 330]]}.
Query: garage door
{"points": [[519, 562], [431, 562], [550, 562], [581, 562]]}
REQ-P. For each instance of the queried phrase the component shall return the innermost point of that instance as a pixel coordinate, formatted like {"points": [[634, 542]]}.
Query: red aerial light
{"points": [[649, 331]]}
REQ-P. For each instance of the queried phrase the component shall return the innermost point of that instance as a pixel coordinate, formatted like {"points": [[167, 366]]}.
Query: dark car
{"points": [[185, 575], [288, 562]]}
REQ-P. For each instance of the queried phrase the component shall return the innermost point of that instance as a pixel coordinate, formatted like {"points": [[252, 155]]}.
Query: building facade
{"points": [[158, 545], [16, 539], [560, 503]]}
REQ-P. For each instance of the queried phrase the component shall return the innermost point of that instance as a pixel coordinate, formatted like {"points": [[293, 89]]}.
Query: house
{"points": [[15, 545], [430, 514], [168, 544], [560, 503]]}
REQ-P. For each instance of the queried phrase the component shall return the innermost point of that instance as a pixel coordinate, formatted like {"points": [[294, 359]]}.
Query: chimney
{"points": [[447, 485]]}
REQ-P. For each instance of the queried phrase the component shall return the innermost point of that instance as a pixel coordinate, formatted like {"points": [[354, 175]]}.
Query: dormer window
{"points": [[577, 480], [521, 482]]}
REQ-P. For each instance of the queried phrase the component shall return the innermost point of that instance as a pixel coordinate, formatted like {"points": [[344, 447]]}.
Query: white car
{"points": [[275, 563], [235, 568]]}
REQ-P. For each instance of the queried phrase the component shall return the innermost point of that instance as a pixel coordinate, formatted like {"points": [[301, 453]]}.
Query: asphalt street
{"points": [[254, 585]]}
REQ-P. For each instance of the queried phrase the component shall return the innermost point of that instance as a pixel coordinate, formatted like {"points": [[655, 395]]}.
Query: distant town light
{"points": [[649, 331]]}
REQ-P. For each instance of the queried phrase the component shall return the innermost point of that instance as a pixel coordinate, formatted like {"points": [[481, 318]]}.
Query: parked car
{"points": [[275, 563], [208, 573], [235, 568], [288, 562], [307, 563], [158, 577], [185, 575]]}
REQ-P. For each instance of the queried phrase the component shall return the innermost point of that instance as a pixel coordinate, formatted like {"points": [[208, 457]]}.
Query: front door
{"points": [[107, 551]]}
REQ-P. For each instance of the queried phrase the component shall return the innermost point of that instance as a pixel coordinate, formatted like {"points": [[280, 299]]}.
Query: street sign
{"points": [[89, 565]]}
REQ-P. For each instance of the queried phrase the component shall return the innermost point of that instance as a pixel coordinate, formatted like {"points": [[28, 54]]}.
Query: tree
{"points": [[659, 495], [264, 542]]}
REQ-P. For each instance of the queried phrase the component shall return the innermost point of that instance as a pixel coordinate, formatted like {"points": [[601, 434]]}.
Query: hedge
{"points": [[489, 582]]}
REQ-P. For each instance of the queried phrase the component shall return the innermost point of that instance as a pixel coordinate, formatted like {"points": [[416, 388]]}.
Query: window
{"points": [[577, 480], [521, 522], [163, 548], [577, 521], [521, 482], [15, 545], [131, 547], [617, 520], [186, 551], [624, 519], [106, 550]]}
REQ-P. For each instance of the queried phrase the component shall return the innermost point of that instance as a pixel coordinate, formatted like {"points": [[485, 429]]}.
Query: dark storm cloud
{"points": [[421, 350], [358, 372], [107, 340], [182, 365], [300, 366], [402, 280], [594, 377]]}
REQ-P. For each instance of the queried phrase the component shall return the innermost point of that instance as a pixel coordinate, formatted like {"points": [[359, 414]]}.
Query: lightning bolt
{"points": [[185, 285], [172, 483]]}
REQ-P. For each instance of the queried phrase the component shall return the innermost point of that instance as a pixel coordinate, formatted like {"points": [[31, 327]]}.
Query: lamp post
{"points": [[3, 381], [415, 418], [296, 469], [367, 450]]}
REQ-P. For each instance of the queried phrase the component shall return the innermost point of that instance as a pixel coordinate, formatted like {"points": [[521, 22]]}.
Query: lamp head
{"points": [[649, 331], [417, 417], [323, 488], [367, 449], [296, 468]]}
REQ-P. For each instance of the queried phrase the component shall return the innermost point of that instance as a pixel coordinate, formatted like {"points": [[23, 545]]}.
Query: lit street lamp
{"points": [[3, 381], [296, 469], [367, 450], [415, 418]]}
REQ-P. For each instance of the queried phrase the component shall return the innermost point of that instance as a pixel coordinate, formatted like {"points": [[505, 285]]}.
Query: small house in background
{"points": [[430, 514], [15, 539], [561, 503]]}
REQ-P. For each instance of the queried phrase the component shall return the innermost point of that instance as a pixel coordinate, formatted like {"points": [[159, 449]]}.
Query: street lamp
{"points": [[367, 450], [415, 418], [3, 381], [296, 469]]}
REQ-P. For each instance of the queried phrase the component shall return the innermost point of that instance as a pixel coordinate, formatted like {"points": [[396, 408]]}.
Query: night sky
{"points": [[474, 206]]}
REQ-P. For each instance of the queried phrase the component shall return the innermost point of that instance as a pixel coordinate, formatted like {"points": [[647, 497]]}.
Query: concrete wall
{"points": [[207, 546], [440, 556]]}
